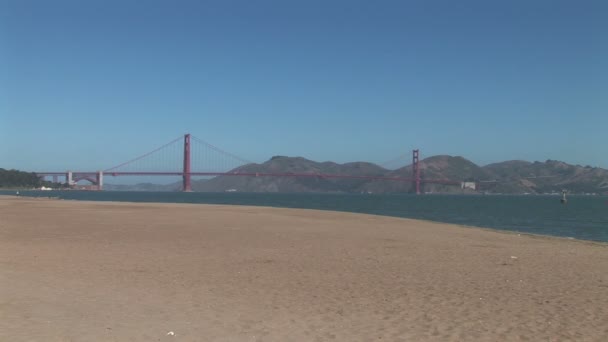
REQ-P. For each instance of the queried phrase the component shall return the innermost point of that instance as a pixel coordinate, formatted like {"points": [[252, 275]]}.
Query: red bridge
{"points": [[211, 161]]}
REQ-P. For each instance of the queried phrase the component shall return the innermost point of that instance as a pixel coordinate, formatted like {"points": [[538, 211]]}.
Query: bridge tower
{"points": [[99, 180], [68, 178], [416, 171], [187, 187]]}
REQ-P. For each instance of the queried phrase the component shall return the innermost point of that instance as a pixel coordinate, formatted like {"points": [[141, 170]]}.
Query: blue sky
{"points": [[89, 84]]}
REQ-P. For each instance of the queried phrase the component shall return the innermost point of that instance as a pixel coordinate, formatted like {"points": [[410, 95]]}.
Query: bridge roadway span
{"points": [[89, 175], [96, 178]]}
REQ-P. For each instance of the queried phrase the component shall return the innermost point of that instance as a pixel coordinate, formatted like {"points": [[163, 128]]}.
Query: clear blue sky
{"points": [[89, 84]]}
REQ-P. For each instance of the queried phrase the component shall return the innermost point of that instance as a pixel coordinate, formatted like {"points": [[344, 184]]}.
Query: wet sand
{"points": [[94, 271]]}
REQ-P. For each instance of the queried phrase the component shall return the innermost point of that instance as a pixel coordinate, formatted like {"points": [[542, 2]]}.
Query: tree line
{"points": [[20, 179]]}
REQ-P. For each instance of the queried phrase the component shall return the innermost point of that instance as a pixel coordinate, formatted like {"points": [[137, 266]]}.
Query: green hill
{"points": [[510, 177], [14, 179]]}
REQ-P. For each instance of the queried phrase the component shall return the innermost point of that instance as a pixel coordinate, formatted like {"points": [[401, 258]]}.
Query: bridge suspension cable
{"points": [[217, 149], [130, 162], [399, 161], [198, 158]]}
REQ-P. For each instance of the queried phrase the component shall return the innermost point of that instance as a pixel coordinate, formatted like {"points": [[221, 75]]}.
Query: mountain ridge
{"points": [[510, 177], [506, 177]]}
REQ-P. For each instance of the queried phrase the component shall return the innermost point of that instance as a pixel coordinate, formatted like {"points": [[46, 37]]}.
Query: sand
{"points": [[95, 271]]}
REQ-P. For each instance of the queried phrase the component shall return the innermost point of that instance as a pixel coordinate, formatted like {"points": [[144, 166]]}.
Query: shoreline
{"points": [[490, 229]]}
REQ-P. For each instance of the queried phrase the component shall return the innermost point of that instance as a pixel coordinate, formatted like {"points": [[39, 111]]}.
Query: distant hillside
{"points": [[545, 177], [509, 177], [18, 179], [15, 179], [281, 164], [436, 167], [505, 177]]}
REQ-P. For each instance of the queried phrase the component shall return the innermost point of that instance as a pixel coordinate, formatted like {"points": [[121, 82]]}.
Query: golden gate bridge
{"points": [[196, 157]]}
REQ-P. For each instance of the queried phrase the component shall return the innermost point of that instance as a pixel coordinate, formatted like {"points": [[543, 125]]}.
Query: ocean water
{"points": [[583, 217]]}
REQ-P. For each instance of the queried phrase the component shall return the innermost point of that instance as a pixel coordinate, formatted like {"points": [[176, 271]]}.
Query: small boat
{"points": [[564, 200]]}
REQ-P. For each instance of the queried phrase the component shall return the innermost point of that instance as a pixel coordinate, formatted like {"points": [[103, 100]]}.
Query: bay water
{"points": [[583, 217]]}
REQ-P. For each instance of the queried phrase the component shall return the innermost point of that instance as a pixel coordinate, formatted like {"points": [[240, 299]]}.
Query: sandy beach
{"points": [[106, 271]]}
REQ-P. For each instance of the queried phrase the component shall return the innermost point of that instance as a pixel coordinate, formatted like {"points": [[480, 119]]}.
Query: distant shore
{"points": [[77, 270]]}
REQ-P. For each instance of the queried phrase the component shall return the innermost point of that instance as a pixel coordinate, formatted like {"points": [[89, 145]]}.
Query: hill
{"points": [[15, 179], [282, 164], [505, 177], [508, 177], [518, 176]]}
